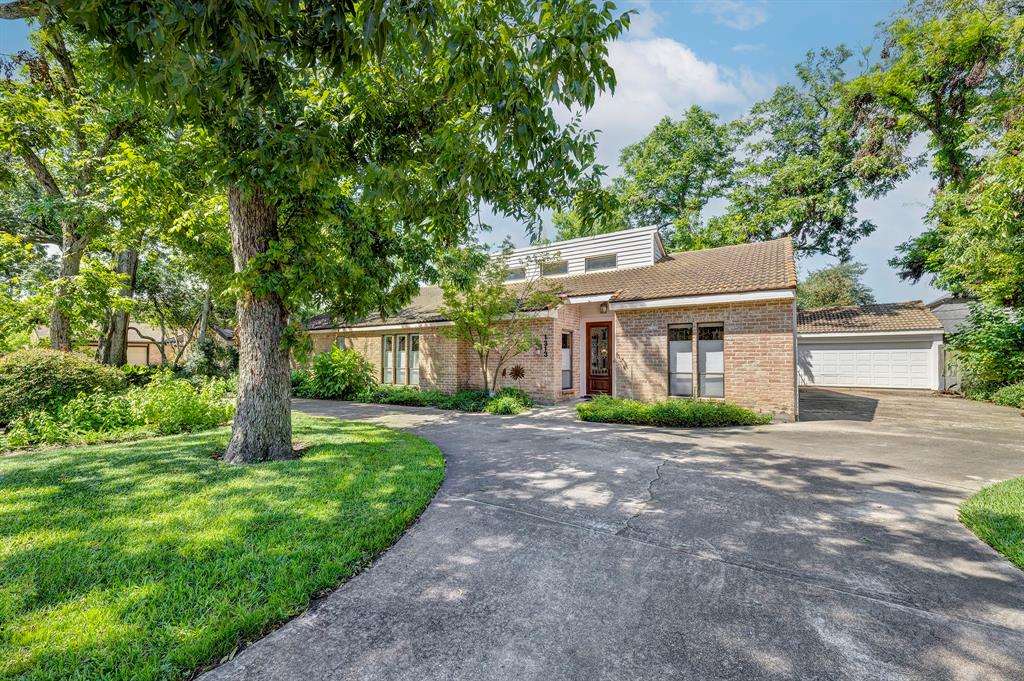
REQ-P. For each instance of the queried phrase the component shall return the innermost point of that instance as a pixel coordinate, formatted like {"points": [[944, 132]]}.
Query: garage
{"points": [[894, 345]]}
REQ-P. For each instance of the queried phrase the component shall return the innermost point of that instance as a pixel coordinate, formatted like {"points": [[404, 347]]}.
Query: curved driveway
{"points": [[825, 549]]}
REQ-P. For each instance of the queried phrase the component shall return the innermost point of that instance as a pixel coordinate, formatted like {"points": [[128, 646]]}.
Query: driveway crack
{"points": [[626, 526]]}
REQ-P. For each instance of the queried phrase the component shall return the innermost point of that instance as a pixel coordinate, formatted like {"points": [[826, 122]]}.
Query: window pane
{"points": [[711, 360], [414, 360], [680, 360], [516, 274], [566, 361], [402, 365], [556, 267], [601, 262], [599, 351], [388, 365]]}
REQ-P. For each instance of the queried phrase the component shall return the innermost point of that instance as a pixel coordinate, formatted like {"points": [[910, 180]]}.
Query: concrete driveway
{"points": [[825, 549]]}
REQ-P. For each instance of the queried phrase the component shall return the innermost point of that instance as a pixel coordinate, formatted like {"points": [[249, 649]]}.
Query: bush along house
{"points": [[634, 321]]}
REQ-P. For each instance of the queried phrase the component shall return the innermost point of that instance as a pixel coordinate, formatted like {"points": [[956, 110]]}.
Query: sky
{"points": [[725, 55]]}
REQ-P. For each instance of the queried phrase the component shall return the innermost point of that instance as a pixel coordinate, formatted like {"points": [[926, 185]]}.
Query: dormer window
{"points": [[516, 274], [554, 268], [601, 262]]}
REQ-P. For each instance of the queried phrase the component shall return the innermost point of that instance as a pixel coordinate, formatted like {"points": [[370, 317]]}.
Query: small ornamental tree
{"points": [[354, 141], [495, 318]]}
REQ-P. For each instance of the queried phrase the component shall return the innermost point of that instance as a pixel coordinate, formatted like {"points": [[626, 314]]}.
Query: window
{"points": [[567, 360], [711, 360], [548, 269], [414, 359], [388, 365], [516, 274], [601, 262], [402, 365], [680, 360]]}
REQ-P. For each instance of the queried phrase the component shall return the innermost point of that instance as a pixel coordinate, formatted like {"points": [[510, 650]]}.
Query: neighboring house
{"points": [[634, 321], [143, 344], [889, 345], [951, 311]]}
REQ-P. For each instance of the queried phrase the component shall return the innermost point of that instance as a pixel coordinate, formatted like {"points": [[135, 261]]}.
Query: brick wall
{"points": [[539, 380], [758, 351]]}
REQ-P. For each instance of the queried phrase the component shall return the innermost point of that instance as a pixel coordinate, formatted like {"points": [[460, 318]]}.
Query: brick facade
{"points": [[759, 347], [759, 352]]}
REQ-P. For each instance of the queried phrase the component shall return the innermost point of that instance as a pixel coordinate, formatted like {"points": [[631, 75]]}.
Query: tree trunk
{"points": [[263, 427], [70, 266], [115, 350], [204, 316]]}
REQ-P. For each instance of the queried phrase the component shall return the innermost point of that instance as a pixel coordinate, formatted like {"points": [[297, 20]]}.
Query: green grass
{"points": [[668, 413], [149, 560], [996, 515]]}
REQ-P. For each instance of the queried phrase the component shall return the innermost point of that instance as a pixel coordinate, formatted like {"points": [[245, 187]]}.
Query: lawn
{"points": [[996, 515], [149, 560]]}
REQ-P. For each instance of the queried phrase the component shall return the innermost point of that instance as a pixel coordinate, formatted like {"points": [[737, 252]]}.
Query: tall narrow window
{"points": [[566, 360], [402, 365], [711, 360], [387, 373], [414, 359], [680, 360]]}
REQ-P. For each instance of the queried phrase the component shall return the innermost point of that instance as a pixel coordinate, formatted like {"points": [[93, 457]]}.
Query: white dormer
{"points": [[601, 253]]}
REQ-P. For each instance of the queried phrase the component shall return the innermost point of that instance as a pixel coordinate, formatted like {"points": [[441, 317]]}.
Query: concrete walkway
{"points": [[825, 549]]}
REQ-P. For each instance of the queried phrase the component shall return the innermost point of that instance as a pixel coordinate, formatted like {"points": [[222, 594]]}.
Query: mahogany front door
{"points": [[599, 358]]}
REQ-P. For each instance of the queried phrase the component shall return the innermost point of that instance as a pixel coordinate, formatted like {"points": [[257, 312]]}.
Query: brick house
{"points": [[634, 322]]}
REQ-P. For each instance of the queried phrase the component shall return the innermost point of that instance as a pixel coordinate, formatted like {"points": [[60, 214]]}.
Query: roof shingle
{"points": [[760, 266], [908, 316]]}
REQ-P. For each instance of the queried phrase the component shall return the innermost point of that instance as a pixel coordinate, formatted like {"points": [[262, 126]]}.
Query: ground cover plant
{"points": [[668, 413], [150, 560], [996, 515], [165, 405]]}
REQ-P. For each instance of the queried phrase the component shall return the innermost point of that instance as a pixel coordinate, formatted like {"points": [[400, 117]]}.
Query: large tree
{"points": [[804, 169], [60, 123], [838, 284], [950, 73], [354, 139]]}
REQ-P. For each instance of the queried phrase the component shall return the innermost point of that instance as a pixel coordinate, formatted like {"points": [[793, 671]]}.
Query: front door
{"points": [[599, 358]]}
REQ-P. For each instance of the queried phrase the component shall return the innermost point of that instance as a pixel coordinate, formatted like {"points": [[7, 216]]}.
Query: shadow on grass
{"points": [[155, 557]]}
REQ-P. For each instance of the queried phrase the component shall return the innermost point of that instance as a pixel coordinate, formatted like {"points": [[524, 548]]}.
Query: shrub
{"points": [[504, 404], [990, 349], [1010, 395], [516, 393], [40, 379], [211, 358], [467, 400], [139, 374], [668, 413], [172, 405], [463, 400], [99, 412], [302, 381], [339, 374]]}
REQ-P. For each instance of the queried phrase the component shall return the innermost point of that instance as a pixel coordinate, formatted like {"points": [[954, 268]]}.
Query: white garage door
{"points": [[899, 364]]}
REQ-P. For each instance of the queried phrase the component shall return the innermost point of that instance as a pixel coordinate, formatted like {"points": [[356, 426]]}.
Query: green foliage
{"points": [[1010, 395], [509, 401], [89, 534], [996, 515], [338, 374], [989, 349], [138, 374], [172, 405], [494, 319], [40, 379], [674, 413], [463, 400], [838, 284], [211, 358]]}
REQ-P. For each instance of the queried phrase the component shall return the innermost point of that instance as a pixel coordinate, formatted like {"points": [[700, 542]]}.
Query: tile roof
{"points": [[909, 316], [759, 266]]}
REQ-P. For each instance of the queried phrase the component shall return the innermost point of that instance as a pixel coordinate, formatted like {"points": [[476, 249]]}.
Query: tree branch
{"points": [[41, 172], [116, 133]]}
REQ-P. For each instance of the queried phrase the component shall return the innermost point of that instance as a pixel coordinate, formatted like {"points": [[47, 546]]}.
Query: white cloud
{"points": [[644, 20], [748, 47], [662, 77], [741, 15]]}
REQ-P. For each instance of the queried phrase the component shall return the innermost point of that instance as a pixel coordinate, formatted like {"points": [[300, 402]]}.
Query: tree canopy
{"points": [[838, 284]]}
